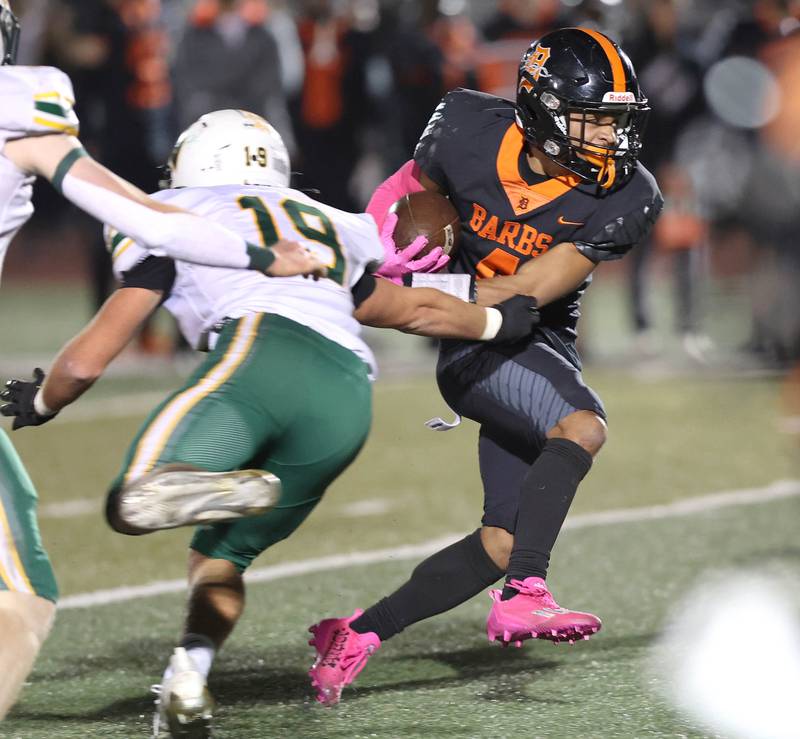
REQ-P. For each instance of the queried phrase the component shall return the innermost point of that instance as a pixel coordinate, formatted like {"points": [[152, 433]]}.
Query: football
{"points": [[428, 214]]}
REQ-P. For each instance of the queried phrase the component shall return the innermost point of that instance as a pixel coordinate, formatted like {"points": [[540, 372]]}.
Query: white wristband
{"points": [[494, 320], [39, 405]]}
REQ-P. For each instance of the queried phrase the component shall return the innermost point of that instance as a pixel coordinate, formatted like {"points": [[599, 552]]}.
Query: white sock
{"points": [[200, 649]]}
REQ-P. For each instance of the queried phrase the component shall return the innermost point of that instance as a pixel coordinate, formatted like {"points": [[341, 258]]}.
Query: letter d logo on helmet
{"points": [[229, 147], [533, 66]]}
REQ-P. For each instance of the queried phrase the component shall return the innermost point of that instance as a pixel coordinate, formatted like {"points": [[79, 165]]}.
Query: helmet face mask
{"points": [[570, 82], [9, 34], [228, 147]]}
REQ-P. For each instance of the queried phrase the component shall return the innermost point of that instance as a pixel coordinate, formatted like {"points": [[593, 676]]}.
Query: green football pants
{"points": [[24, 564], [272, 395]]}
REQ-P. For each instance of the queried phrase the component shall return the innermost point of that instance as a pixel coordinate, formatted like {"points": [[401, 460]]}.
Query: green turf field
{"points": [[671, 440]]}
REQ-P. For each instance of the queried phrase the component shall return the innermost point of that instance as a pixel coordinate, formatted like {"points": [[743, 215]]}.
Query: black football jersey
{"points": [[474, 150]]}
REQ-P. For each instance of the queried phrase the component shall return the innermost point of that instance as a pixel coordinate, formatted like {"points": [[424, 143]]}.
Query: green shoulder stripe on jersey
{"points": [[118, 244], [50, 108], [116, 241], [65, 165]]}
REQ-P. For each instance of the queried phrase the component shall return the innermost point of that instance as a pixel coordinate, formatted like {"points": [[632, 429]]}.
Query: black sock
{"points": [[443, 581], [546, 495]]}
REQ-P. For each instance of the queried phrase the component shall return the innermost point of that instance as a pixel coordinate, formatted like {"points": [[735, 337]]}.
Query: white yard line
{"points": [[71, 508], [779, 490], [123, 406], [364, 508]]}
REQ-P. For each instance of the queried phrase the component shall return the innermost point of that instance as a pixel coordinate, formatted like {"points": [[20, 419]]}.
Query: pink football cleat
{"points": [[341, 654], [533, 614]]}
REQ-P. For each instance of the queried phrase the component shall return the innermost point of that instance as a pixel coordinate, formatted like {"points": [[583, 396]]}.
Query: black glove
{"points": [[520, 317], [19, 395]]}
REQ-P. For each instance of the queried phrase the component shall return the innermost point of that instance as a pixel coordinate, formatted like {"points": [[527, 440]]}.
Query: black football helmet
{"points": [[9, 34], [577, 74]]}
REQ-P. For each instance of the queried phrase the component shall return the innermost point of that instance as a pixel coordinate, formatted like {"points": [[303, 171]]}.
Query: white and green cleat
{"points": [[184, 707], [168, 498]]}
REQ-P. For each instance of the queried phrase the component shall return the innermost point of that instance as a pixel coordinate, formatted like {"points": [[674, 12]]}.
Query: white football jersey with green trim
{"points": [[35, 101], [202, 296]]}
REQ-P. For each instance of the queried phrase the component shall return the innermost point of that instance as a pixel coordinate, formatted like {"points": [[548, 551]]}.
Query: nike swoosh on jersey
{"points": [[564, 222]]}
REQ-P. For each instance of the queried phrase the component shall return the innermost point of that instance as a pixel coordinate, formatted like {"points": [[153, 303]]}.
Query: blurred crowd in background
{"points": [[350, 84]]}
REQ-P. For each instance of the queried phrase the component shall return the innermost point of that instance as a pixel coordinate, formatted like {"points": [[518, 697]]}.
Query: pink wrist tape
{"points": [[391, 190]]}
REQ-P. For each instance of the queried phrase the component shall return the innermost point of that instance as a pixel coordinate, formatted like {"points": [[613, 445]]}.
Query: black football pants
{"points": [[517, 393]]}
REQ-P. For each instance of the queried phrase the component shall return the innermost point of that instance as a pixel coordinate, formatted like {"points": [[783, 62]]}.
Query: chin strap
{"points": [[607, 167], [607, 174], [439, 424]]}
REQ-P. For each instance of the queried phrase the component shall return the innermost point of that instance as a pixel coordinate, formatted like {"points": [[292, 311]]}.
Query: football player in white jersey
{"points": [[282, 404], [37, 138]]}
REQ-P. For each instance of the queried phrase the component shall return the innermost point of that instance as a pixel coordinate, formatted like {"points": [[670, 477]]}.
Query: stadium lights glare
{"points": [[719, 671]]}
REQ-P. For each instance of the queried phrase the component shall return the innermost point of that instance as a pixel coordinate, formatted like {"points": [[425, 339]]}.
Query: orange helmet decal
{"points": [[534, 66]]}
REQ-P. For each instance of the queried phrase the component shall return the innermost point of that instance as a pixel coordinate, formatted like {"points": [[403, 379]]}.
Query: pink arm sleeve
{"points": [[390, 191]]}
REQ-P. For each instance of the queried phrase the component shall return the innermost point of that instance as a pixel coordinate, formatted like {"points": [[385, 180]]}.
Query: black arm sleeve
{"points": [[153, 273], [439, 143], [363, 288], [428, 153], [450, 147]]}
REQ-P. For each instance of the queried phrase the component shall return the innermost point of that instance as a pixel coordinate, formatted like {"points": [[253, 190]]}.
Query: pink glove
{"points": [[399, 263]]}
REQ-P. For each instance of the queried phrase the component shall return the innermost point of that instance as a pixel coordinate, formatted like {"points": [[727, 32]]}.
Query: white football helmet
{"points": [[229, 147], [9, 34]]}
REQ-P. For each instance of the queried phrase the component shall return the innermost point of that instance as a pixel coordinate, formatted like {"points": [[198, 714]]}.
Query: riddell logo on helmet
{"points": [[534, 67], [619, 97]]}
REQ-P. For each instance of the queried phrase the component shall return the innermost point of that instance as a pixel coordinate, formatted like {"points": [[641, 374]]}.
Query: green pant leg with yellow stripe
{"points": [[273, 395], [24, 564]]}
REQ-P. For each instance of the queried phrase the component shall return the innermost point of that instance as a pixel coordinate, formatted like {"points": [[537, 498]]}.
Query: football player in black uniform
{"points": [[546, 189]]}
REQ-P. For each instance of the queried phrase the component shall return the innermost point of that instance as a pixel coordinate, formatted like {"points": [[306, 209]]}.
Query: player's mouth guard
{"points": [[439, 424], [600, 158]]}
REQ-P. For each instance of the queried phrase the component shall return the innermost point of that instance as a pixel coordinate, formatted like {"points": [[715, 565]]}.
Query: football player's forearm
{"points": [[442, 316], [439, 324], [85, 357], [422, 311], [546, 278], [81, 362], [544, 289], [65, 383], [112, 200], [76, 368]]}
